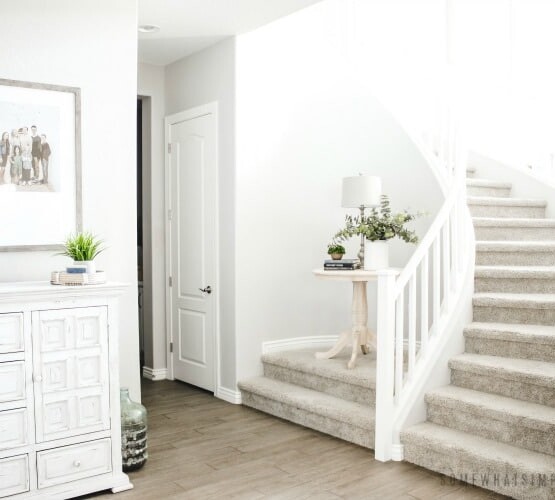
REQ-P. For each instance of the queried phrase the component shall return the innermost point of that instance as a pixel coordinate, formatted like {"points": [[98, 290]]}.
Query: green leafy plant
{"points": [[82, 246], [336, 248], [381, 224]]}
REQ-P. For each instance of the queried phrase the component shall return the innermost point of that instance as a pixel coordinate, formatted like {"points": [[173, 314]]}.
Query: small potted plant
{"points": [[83, 248], [378, 227], [336, 251]]}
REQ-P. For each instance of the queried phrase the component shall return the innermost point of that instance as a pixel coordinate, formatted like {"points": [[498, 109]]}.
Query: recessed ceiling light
{"points": [[148, 28]]}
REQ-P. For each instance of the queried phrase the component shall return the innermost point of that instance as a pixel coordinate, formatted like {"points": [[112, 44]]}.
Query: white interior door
{"points": [[192, 197]]}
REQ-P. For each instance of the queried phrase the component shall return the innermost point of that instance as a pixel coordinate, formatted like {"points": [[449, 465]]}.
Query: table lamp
{"points": [[361, 191]]}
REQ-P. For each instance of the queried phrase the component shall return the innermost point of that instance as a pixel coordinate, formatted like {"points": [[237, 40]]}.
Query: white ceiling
{"points": [[187, 26]]}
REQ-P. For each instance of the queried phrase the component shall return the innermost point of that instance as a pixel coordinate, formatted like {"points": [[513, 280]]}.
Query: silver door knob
{"points": [[208, 289], [37, 378], [77, 464]]}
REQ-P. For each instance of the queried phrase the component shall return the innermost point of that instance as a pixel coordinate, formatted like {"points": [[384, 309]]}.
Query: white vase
{"points": [[89, 264], [376, 255]]}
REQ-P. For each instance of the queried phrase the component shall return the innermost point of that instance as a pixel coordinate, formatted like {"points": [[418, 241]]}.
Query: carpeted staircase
{"points": [[494, 426], [320, 394]]}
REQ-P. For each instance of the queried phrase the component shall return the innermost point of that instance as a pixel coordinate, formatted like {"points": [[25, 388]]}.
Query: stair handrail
{"points": [[436, 288]]}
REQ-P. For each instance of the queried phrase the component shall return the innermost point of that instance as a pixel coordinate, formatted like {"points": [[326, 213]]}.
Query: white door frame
{"points": [[189, 114]]}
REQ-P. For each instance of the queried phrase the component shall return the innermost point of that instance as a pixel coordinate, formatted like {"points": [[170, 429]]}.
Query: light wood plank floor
{"points": [[203, 448]]}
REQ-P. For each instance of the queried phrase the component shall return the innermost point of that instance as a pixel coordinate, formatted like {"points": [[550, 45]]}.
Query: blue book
{"points": [[76, 270]]}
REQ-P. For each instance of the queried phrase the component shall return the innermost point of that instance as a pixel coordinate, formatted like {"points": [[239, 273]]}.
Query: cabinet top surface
{"points": [[43, 289]]}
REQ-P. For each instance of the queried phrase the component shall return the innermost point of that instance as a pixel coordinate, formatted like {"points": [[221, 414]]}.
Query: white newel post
{"points": [[385, 361]]}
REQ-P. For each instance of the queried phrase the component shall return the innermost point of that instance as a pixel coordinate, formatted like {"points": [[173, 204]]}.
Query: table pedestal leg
{"points": [[359, 332], [337, 348]]}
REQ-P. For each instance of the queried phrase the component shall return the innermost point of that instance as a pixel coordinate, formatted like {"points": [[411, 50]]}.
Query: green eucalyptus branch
{"points": [[381, 224]]}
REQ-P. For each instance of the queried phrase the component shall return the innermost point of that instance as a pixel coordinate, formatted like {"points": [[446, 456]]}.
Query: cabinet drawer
{"points": [[13, 428], [70, 463], [14, 472], [12, 381], [11, 333]]}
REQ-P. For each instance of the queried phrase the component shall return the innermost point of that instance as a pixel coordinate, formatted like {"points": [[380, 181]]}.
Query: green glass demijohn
{"points": [[134, 450]]}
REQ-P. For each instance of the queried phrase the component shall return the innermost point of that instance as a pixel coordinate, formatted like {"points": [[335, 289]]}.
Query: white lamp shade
{"points": [[361, 191]]}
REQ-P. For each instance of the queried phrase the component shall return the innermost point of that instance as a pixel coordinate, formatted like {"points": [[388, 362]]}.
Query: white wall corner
{"points": [[155, 374], [299, 343], [233, 397], [397, 452]]}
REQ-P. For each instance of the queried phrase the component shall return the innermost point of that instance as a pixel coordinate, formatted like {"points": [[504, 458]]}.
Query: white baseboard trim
{"points": [[397, 452], [155, 374], [233, 397], [298, 343]]}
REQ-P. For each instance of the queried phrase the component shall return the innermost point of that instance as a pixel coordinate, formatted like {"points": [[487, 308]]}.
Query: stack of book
{"points": [[341, 265]]}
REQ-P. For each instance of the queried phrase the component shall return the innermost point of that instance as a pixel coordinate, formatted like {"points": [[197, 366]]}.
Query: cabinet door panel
{"points": [[14, 472], [13, 428], [72, 394], [11, 333], [56, 416], [12, 381], [56, 374], [55, 332]]}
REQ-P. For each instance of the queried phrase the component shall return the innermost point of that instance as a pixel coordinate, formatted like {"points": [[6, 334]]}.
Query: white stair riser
{"points": [[489, 258], [506, 211], [508, 349], [514, 285], [518, 389], [502, 314], [358, 435], [498, 192], [451, 464], [519, 233], [490, 427], [333, 387]]}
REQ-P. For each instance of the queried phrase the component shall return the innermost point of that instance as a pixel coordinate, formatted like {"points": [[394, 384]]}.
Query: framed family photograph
{"points": [[40, 165]]}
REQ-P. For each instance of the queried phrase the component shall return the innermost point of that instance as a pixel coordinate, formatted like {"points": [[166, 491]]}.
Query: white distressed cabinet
{"points": [[59, 391]]}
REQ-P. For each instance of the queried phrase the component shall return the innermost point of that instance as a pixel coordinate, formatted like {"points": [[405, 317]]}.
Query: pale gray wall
{"points": [[91, 45]]}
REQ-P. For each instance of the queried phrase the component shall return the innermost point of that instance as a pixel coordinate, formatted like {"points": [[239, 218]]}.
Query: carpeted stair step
{"points": [[514, 279], [346, 420], [499, 467], [484, 187], [513, 229], [527, 308], [515, 253], [492, 206], [511, 340], [524, 379], [527, 425], [331, 376]]}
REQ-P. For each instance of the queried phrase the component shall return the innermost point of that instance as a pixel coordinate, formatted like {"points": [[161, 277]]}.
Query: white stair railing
{"points": [[414, 308]]}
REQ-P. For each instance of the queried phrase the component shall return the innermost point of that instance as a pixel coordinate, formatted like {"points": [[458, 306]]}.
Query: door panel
{"points": [[192, 190], [71, 382]]}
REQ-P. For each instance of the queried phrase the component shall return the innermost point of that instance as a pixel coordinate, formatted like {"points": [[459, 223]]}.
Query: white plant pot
{"points": [[89, 264], [376, 255]]}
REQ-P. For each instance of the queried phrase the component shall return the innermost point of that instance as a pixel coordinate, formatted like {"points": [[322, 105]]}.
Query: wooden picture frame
{"points": [[41, 184]]}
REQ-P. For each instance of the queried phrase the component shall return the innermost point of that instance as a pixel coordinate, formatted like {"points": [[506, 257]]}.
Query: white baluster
{"points": [[385, 363], [455, 244], [424, 304], [436, 284], [446, 264], [412, 326], [399, 338]]}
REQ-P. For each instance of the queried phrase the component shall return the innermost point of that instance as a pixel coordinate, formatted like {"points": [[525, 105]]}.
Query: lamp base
{"points": [[361, 251]]}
